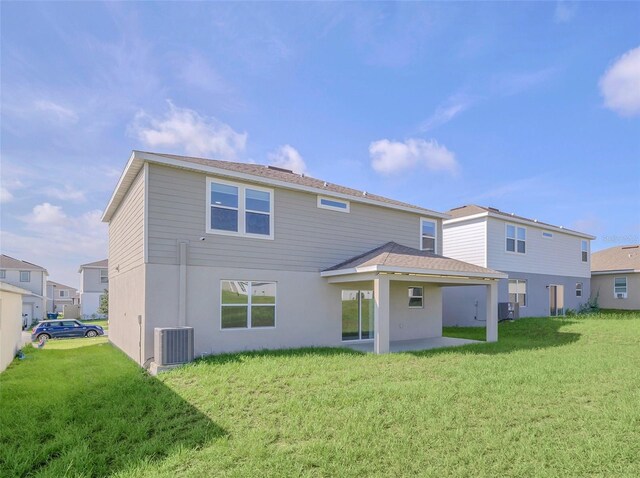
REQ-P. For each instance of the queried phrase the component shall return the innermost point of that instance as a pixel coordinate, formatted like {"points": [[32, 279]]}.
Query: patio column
{"points": [[492, 312], [381, 314]]}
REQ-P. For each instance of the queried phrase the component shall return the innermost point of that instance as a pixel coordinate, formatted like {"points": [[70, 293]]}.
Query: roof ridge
{"points": [[360, 256]]}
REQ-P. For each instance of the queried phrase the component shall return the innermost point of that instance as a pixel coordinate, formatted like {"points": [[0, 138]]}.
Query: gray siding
{"points": [[467, 241], [559, 255], [306, 238], [126, 232], [90, 280]]}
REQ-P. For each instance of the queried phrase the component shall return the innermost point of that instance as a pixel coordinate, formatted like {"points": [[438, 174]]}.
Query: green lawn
{"points": [[555, 397]]}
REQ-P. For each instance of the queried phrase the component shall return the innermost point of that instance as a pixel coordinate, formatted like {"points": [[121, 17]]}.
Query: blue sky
{"points": [[533, 108]]}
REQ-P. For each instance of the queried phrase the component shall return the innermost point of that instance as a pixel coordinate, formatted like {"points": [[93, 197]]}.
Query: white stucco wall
{"points": [[10, 323]]}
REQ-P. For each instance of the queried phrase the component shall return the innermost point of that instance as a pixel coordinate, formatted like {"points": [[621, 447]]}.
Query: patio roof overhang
{"points": [[408, 264]]}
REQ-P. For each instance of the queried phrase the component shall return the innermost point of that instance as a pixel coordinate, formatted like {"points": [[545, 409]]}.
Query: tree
{"points": [[103, 308]]}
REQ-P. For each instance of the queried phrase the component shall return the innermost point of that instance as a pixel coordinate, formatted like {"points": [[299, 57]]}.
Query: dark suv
{"points": [[49, 329]]}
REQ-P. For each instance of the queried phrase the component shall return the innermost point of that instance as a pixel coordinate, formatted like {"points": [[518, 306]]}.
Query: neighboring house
{"points": [[27, 276], [615, 277], [94, 280], [257, 257], [59, 295], [548, 266], [10, 322]]}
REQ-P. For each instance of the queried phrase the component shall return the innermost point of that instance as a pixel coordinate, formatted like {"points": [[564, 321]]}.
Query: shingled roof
{"points": [[394, 256], [473, 209], [258, 172], [8, 262], [619, 258], [102, 263]]}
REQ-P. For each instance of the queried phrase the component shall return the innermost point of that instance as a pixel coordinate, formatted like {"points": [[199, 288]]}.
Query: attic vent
{"points": [[275, 168], [630, 247], [494, 209], [364, 193]]}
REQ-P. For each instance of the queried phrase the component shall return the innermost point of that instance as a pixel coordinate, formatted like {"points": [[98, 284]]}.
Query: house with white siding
{"points": [[30, 277], [548, 267], [258, 257], [94, 283]]}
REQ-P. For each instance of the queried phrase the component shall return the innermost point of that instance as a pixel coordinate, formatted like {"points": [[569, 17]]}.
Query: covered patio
{"points": [[414, 345], [393, 268]]}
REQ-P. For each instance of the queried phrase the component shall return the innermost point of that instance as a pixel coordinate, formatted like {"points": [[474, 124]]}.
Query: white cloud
{"points": [[389, 157], [446, 112], [58, 241], [620, 84], [514, 83], [45, 214], [565, 11], [5, 195], [187, 131], [289, 158], [66, 193], [60, 112]]}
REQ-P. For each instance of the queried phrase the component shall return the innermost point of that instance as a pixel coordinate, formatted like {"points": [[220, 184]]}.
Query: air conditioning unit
{"points": [[621, 295], [173, 345]]}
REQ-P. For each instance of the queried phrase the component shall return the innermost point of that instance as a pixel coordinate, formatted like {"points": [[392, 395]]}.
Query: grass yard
{"points": [[555, 397]]}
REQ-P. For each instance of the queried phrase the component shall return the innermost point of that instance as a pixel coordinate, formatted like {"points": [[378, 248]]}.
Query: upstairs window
{"points": [[516, 239], [585, 251], [64, 293], [25, 276], [104, 276], [428, 235], [333, 204], [239, 210]]}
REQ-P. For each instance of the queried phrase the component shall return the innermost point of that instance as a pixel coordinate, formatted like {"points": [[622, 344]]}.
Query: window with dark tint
{"points": [[516, 239]]}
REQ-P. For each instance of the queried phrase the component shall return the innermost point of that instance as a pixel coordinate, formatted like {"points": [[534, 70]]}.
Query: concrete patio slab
{"points": [[415, 344]]}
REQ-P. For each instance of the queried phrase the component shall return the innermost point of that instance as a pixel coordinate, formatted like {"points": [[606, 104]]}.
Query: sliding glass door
{"points": [[556, 300], [357, 314]]}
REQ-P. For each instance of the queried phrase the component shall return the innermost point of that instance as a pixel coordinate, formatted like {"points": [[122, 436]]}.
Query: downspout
{"points": [[182, 283]]}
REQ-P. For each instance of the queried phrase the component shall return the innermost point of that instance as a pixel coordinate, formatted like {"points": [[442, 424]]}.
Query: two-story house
{"points": [[548, 266], [94, 281], [30, 277], [258, 257], [59, 295]]}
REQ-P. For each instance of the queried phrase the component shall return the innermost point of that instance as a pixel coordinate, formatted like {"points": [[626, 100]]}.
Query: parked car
{"points": [[50, 329]]}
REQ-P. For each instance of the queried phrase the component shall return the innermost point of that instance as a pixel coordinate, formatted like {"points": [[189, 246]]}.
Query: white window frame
{"points": [[626, 287], [63, 294], [249, 306], [346, 209], [526, 233], [435, 235], [526, 289], [421, 297], [584, 249], [104, 278], [28, 273], [579, 289], [242, 210], [3, 273]]}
